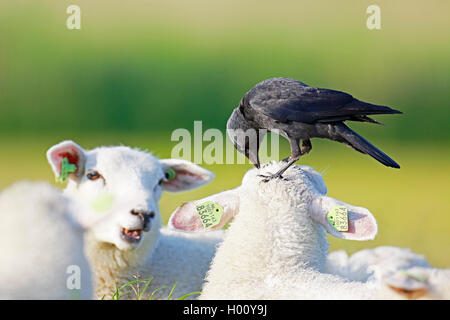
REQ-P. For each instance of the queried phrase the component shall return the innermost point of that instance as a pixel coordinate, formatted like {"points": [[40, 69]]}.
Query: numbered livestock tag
{"points": [[338, 218], [209, 213], [66, 168]]}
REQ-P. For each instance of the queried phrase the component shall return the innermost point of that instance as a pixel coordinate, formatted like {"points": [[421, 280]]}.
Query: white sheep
{"points": [[408, 274], [41, 245], [117, 190], [276, 247], [373, 263], [417, 283]]}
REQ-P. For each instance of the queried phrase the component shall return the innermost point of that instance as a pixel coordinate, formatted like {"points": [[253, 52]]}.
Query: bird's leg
{"points": [[295, 155], [281, 171], [306, 146]]}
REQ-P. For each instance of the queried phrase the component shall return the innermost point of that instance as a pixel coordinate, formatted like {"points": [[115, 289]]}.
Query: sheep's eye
{"points": [[93, 175]]}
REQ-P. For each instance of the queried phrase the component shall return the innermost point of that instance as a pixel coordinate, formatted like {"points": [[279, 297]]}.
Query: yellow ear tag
{"points": [[338, 218], [209, 213], [66, 168]]}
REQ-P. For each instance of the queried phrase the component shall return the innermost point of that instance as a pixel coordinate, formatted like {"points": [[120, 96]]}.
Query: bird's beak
{"points": [[254, 159]]}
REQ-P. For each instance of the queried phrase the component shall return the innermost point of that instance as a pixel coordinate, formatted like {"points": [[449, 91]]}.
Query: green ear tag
{"points": [[209, 213], [338, 218], [66, 168], [411, 276], [170, 174]]}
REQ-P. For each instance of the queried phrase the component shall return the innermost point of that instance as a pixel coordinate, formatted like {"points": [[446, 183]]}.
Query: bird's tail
{"points": [[360, 144]]}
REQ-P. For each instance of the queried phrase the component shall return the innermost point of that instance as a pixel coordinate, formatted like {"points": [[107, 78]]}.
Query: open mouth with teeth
{"points": [[133, 236]]}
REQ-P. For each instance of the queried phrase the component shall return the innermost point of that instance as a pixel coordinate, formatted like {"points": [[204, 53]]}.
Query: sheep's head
{"points": [[417, 282], [300, 186], [118, 189], [296, 181]]}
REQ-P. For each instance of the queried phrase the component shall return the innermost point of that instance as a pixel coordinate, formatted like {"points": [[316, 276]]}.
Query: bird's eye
{"points": [[93, 175]]}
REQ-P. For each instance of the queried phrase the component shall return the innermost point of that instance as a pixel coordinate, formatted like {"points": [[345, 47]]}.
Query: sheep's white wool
{"points": [[276, 247], [273, 249], [183, 258], [172, 258], [373, 263], [41, 245], [265, 241], [406, 273], [117, 190]]}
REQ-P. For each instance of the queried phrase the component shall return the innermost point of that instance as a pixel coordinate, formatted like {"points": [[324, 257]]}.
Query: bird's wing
{"points": [[307, 104]]}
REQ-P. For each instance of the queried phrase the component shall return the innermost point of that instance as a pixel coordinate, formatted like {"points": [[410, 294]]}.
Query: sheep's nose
{"points": [[145, 216]]}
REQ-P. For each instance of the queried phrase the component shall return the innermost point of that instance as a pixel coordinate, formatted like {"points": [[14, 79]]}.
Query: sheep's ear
{"points": [[334, 215], [67, 160], [407, 284], [210, 213], [182, 175]]}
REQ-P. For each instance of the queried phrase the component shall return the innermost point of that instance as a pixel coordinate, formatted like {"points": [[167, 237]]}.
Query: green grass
{"points": [[411, 205], [138, 289]]}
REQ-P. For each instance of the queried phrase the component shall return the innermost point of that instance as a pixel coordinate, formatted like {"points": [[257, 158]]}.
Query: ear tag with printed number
{"points": [[338, 218], [66, 169], [209, 213]]}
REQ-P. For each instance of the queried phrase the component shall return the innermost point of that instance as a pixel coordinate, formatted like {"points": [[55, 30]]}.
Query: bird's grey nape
{"points": [[244, 136], [238, 121]]}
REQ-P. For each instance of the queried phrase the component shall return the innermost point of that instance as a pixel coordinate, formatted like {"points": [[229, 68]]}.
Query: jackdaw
{"points": [[297, 112]]}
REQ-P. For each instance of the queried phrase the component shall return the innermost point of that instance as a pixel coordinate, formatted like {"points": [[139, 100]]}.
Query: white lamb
{"points": [[408, 274], [373, 263], [276, 246], [41, 245], [117, 190]]}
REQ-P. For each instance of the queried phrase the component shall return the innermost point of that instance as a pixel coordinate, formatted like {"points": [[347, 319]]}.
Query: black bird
{"points": [[297, 112]]}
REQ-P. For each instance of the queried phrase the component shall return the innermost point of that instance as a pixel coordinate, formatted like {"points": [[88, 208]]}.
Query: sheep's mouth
{"points": [[133, 236]]}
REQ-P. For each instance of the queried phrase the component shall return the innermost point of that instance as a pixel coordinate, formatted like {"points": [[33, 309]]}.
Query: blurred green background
{"points": [[137, 70]]}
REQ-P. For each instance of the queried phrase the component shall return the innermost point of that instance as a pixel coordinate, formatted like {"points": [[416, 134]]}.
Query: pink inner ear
{"points": [[71, 153], [182, 179], [361, 224], [185, 218], [187, 173]]}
